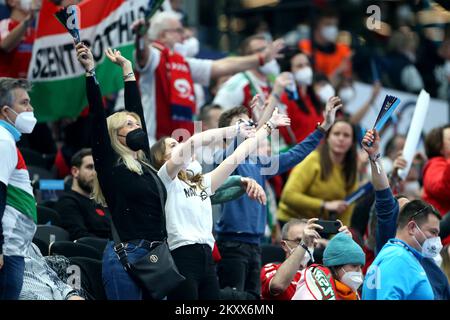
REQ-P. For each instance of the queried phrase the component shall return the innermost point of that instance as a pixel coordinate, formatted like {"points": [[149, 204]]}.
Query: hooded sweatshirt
{"points": [[436, 184]]}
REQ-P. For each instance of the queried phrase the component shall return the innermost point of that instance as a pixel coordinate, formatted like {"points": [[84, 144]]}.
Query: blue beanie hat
{"points": [[343, 250]]}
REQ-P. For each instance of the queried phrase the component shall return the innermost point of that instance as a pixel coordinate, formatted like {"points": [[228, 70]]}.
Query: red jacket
{"points": [[436, 184]]}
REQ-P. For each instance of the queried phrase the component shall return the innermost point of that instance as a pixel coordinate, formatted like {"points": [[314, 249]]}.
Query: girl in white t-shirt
{"points": [[188, 207]]}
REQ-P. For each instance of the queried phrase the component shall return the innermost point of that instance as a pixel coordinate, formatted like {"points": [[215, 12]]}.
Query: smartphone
{"points": [[329, 226]]}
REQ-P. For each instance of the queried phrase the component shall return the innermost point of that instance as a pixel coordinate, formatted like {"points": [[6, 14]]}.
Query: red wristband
{"points": [[261, 59]]}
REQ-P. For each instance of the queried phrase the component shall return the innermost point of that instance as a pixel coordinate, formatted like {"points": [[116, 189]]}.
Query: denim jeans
{"points": [[117, 282], [240, 266], [11, 277], [196, 263]]}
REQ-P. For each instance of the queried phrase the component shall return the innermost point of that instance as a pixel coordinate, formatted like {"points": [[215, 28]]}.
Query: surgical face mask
{"points": [[189, 48], [330, 33], [346, 94], [26, 4], [272, 67], [194, 168], [325, 93], [25, 121], [304, 76], [306, 258], [353, 279], [438, 260], [447, 68], [136, 140], [412, 187], [431, 247]]}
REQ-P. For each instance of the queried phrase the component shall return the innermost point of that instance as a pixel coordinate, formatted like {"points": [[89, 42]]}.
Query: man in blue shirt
{"points": [[400, 271], [242, 222]]}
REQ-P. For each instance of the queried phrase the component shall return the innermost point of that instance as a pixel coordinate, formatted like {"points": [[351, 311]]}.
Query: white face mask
{"points": [[306, 258], [330, 33], [26, 4], [272, 67], [304, 76], [447, 68], [325, 93], [431, 247], [346, 94], [412, 187], [353, 279], [194, 167], [438, 259], [25, 121], [189, 48]]}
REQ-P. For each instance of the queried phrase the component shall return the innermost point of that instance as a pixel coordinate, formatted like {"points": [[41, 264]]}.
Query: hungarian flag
{"points": [[57, 76]]}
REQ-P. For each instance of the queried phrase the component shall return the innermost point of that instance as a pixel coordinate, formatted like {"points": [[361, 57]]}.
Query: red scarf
{"points": [[175, 99]]}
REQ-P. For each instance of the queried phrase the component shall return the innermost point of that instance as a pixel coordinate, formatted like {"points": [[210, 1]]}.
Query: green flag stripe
{"points": [[21, 201]]}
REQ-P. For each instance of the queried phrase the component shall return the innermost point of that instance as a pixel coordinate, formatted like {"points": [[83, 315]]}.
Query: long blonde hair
{"points": [[116, 122]]}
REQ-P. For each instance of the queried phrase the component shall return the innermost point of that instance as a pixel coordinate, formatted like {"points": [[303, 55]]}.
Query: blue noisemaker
{"points": [[69, 18]]}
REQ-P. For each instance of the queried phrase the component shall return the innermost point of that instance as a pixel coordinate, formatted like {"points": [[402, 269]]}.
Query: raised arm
{"points": [[102, 151], [141, 43], [222, 172], [296, 154], [133, 101], [285, 274], [386, 205], [232, 65], [183, 153]]}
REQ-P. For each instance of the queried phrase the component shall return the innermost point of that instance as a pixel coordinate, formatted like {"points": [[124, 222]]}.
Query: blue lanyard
{"points": [[11, 129], [399, 242]]}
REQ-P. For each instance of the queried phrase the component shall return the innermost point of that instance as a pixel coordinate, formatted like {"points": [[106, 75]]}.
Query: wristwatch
{"points": [[320, 128], [91, 72], [376, 158]]}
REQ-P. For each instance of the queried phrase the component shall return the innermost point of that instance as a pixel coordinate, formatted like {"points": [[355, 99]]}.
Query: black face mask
{"points": [[136, 140]]}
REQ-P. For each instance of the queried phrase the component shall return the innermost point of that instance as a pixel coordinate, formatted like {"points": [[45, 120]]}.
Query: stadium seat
{"points": [[72, 249], [48, 234], [48, 216], [34, 158], [91, 277], [98, 243], [272, 254]]}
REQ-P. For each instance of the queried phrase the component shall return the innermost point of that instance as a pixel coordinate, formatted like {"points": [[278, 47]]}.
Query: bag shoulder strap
{"points": [[162, 198]]}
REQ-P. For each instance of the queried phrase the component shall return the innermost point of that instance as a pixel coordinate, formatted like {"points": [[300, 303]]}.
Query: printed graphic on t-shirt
{"points": [[192, 192]]}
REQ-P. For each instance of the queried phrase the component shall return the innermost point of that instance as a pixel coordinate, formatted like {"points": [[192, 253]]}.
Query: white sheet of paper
{"points": [[415, 129]]}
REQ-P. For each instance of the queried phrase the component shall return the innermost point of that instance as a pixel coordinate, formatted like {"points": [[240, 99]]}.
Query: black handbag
{"points": [[156, 272]]}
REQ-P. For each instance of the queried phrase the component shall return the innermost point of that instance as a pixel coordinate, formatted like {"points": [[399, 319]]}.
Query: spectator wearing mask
{"points": [[168, 94], [396, 273], [17, 34], [17, 204], [188, 208], [299, 238], [330, 57], [318, 186], [243, 221], [242, 87], [307, 110], [339, 277], [436, 174], [80, 215], [401, 61], [41, 282], [121, 155], [388, 224]]}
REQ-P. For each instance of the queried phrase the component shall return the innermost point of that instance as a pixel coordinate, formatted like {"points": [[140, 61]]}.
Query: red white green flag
{"points": [[58, 78]]}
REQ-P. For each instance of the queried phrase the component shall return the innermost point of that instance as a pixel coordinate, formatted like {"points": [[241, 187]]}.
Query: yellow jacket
{"points": [[304, 191]]}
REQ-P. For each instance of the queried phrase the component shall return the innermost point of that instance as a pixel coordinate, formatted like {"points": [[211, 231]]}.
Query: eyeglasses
{"points": [[177, 30], [424, 209], [297, 241]]}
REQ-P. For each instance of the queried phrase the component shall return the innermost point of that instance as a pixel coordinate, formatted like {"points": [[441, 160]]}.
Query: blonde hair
{"points": [[116, 122], [446, 261]]}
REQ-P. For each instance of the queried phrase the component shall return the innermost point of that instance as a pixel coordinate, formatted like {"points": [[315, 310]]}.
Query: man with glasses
{"points": [[167, 78], [407, 240], [279, 281]]}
